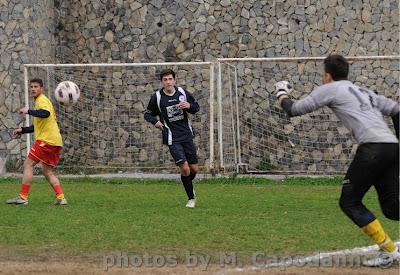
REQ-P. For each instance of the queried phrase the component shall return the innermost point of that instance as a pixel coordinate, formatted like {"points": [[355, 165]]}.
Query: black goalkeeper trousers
{"points": [[375, 164]]}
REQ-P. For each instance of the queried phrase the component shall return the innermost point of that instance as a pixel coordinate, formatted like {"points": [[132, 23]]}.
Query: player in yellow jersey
{"points": [[47, 146]]}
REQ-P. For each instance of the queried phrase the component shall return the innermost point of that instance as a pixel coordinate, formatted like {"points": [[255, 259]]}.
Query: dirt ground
{"points": [[31, 266], [12, 262]]}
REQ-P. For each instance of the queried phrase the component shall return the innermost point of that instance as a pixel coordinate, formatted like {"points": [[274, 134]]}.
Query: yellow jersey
{"points": [[46, 129]]}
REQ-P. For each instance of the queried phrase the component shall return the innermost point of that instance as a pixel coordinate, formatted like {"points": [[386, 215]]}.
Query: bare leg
{"points": [[184, 169], [48, 173], [55, 183], [28, 171]]}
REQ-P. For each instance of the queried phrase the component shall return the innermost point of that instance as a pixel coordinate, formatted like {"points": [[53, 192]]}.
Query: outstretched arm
{"points": [[387, 106], [317, 99], [42, 113]]}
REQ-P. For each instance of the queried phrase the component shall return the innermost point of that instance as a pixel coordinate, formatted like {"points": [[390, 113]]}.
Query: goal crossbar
{"points": [[119, 64], [307, 58]]}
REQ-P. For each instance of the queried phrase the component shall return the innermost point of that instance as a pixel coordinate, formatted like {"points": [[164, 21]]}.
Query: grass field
{"points": [[243, 216]]}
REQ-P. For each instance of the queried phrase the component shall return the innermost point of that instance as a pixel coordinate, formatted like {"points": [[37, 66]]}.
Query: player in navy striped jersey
{"points": [[168, 111], [376, 162]]}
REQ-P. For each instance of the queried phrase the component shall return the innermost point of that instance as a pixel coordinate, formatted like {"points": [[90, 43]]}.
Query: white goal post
{"points": [[105, 129], [256, 136]]}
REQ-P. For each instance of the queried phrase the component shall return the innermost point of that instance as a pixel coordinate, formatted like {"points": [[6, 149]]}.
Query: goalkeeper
{"points": [[171, 104], [376, 162], [47, 146]]}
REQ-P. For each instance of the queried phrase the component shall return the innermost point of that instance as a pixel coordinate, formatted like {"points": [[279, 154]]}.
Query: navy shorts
{"points": [[184, 151]]}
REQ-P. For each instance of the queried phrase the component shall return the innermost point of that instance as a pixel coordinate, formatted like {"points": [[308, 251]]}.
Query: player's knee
{"points": [[185, 172], [343, 204], [185, 169], [194, 169], [28, 163], [46, 173], [346, 205], [356, 211]]}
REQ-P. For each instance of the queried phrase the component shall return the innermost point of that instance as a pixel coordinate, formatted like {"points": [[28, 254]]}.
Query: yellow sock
{"points": [[60, 196], [23, 197], [376, 232]]}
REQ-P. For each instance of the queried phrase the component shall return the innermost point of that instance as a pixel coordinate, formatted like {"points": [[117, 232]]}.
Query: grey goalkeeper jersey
{"points": [[360, 110]]}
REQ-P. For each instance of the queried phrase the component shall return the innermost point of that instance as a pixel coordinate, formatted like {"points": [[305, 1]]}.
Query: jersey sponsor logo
{"points": [[171, 100], [176, 118], [174, 111]]}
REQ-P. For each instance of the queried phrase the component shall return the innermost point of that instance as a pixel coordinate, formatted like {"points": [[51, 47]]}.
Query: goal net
{"points": [[105, 130], [257, 136]]}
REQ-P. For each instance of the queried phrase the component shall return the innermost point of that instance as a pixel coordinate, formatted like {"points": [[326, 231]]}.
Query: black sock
{"points": [[192, 175], [187, 183]]}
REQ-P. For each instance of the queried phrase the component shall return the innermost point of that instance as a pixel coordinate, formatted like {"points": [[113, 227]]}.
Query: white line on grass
{"points": [[296, 261]]}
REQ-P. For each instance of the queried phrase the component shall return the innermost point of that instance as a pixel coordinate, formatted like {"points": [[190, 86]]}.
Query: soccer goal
{"points": [[105, 129], [255, 135]]}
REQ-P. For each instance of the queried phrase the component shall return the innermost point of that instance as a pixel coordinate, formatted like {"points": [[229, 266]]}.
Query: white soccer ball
{"points": [[283, 86], [67, 92]]}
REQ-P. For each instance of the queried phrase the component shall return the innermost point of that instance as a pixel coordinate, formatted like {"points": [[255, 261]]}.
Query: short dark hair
{"points": [[37, 80], [337, 66], [166, 72]]}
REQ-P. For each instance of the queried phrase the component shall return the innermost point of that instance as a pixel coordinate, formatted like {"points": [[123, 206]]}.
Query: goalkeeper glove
{"points": [[282, 88]]}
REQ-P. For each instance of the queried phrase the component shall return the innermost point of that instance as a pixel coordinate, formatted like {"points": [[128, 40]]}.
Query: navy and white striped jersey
{"points": [[360, 110], [177, 127]]}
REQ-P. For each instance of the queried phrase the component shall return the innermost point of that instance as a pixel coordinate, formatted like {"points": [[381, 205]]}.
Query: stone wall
{"points": [[26, 36], [157, 30]]}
